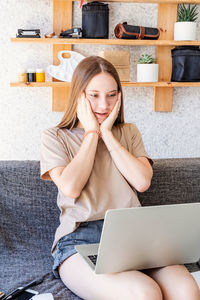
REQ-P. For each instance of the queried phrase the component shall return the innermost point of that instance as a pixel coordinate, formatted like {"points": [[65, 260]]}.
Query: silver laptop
{"points": [[146, 237]]}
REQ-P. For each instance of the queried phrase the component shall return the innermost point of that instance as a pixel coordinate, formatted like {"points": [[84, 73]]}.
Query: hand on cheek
{"points": [[85, 114], [109, 121]]}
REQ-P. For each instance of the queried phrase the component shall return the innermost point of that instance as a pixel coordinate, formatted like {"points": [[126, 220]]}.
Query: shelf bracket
{"points": [[163, 96], [163, 99], [167, 15], [62, 20]]}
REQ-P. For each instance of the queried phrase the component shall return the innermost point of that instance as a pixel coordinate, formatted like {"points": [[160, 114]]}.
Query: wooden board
{"points": [[106, 42], [62, 20], [163, 97], [163, 90], [151, 1], [123, 83]]}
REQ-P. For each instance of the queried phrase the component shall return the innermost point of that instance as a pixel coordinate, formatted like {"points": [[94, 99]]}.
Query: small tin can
{"points": [[22, 76], [31, 75], [40, 75]]}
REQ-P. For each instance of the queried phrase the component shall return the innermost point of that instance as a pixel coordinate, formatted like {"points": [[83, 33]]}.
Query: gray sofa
{"points": [[29, 217]]}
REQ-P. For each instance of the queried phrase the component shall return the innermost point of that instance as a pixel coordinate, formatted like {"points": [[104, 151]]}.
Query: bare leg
{"points": [[176, 283], [134, 285]]}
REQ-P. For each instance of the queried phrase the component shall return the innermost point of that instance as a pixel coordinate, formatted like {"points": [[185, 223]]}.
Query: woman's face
{"points": [[102, 94]]}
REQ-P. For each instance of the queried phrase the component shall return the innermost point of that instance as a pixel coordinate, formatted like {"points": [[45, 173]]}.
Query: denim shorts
{"points": [[86, 233]]}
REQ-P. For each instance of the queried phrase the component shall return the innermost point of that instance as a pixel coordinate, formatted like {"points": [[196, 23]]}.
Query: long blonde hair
{"points": [[84, 72]]}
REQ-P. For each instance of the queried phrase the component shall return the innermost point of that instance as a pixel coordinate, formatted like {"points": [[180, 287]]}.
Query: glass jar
{"points": [[22, 76], [31, 75], [40, 75]]}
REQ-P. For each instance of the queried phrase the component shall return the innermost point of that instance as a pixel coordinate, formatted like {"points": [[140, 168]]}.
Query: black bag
{"points": [[185, 63], [95, 20], [125, 31]]}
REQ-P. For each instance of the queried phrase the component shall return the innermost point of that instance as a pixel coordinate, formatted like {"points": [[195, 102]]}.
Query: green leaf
{"points": [[187, 13], [146, 59]]}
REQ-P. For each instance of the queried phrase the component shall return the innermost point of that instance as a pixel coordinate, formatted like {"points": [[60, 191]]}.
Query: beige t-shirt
{"points": [[106, 187]]}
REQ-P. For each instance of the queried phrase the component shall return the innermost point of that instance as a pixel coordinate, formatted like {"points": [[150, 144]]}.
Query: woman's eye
{"points": [[93, 95], [112, 95]]}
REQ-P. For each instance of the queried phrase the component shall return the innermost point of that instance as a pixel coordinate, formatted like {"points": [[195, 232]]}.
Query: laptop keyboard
{"points": [[93, 259]]}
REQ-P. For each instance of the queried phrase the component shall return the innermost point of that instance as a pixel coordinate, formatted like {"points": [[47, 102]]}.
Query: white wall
{"points": [[25, 112]]}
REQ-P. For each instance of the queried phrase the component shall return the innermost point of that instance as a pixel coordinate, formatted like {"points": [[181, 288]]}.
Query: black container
{"points": [[186, 63], [95, 20], [126, 31], [31, 75]]}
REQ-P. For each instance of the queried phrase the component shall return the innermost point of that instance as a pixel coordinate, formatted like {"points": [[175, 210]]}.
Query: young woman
{"points": [[98, 162]]}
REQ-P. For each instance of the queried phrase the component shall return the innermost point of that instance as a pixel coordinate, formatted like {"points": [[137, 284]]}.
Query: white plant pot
{"points": [[147, 72], [185, 31]]}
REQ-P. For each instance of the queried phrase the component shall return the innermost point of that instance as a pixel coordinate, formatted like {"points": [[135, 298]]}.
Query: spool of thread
{"points": [[40, 75], [31, 75], [22, 76]]}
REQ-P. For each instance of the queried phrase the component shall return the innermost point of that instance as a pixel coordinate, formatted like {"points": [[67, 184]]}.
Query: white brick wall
{"points": [[25, 112]]}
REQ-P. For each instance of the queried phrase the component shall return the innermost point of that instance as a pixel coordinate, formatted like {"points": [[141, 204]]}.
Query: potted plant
{"points": [[147, 69], [185, 27]]}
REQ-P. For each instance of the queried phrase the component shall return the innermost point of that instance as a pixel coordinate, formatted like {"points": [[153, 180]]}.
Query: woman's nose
{"points": [[103, 103]]}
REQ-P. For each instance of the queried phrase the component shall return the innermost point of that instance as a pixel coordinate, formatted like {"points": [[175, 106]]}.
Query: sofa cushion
{"points": [[174, 181], [29, 217]]}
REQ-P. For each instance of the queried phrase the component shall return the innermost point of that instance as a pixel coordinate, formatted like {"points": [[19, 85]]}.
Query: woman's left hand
{"points": [[109, 121]]}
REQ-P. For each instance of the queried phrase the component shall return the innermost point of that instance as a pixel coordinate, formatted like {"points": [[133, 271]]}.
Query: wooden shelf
{"points": [[74, 41], [149, 1], [40, 84], [126, 84], [161, 84], [163, 90]]}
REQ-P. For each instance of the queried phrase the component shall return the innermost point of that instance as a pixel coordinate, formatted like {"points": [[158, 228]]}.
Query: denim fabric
{"points": [[86, 233]]}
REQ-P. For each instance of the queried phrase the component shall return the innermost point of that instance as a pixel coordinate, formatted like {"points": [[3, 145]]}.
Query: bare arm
{"points": [[72, 178], [137, 171]]}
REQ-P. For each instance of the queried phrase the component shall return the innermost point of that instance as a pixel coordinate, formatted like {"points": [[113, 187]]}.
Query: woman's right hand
{"points": [[85, 114]]}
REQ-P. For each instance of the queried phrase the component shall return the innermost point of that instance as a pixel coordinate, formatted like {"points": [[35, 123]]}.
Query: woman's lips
{"points": [[101, 114]]}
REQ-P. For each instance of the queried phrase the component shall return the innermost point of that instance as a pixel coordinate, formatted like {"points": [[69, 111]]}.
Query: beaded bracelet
{"points": [[92, 131]]}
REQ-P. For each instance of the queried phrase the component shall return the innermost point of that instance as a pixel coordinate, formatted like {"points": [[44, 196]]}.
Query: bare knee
{"points": [[147, 291], [179, 284], [126, 285], [187, 290]]}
